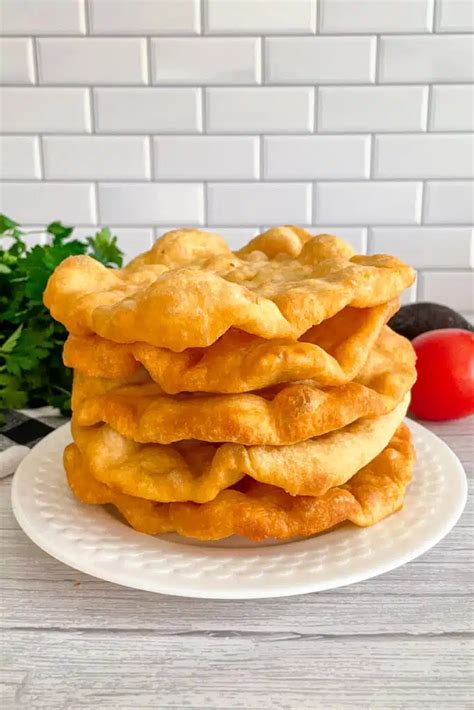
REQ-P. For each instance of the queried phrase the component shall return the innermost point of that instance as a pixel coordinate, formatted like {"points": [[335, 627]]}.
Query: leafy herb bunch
{"points": [[32, 373]]}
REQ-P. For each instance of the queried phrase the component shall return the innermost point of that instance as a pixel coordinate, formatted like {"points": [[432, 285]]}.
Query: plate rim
{"points": [[278, 589]]}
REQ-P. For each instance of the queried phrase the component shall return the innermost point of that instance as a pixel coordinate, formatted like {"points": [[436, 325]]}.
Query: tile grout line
{"points": [[34, 57], [42, 164], [378, 60], [365, 240], [151, 163], [95, 183], [424, 191], [234, 35], [424, 204], [149, 62], [314, 223], [36, 62], [261, 139], [92, 114], [319, 16], [205, 203], [204, 120], [125, 133], [180, 86], [369, 239], [202, 18], [260, 62], [418, 284], [316, 102], [87, 16], [435, 16], [377, 70], [240, 181], [372, 165], [151, 166], [39, 137], [430, 111], [261, 155]]}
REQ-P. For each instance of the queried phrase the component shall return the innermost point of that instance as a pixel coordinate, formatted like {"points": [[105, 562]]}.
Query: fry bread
{"points": [[190, 289], [259, 511], [197, 471], [331, 353], [276, 416]]}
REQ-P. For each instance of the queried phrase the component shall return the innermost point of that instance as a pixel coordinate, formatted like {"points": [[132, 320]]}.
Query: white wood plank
{"points": [[100, 670]]}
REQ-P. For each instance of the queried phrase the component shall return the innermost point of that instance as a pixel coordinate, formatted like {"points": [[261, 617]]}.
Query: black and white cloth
{"points": [[21, 430]]}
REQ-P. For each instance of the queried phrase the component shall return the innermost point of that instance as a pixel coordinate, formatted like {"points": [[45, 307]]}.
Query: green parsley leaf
{"points": [[103, 247], [11, 394], [6, 224], [59, 232], [12, 340], [31, 368]]}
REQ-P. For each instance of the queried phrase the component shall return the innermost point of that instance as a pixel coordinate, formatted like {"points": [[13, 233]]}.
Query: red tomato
{"points": [[445, 365]]}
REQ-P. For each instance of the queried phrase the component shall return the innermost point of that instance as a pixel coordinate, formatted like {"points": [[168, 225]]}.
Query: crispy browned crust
{"points": [[259, 511], [329, 354], [280, 416], [190, 289]]}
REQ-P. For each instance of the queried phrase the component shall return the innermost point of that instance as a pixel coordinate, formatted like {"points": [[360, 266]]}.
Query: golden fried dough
{"points": [[190, 289], [329, 354], [259, 511], [197, 471], [275, 416]]}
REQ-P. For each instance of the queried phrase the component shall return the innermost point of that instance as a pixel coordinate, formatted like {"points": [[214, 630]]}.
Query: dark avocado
{"points": [[417, 318]]}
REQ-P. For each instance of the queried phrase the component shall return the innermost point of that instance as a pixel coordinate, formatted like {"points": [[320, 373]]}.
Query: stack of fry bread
{"points": [[257, 393]]}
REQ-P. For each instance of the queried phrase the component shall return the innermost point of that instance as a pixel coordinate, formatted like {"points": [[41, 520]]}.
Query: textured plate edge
{"points": [[282, 590]]}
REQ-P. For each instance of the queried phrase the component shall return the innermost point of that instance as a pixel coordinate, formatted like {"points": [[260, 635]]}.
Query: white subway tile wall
{"points": [[42, 17], [90, 60], [16, 61], [320, 60], [449, 202], [452, 107], [43, 202], [457, 16], [207, 157], [147, 110], [452, 288], [205, 60], [314, 157], [96, 157], [259, 202], [375, 16], [150, 203], [260, 110], [148, 17], [365, 109], [346, 116], [260, 17], [368, 202], [429, 156], [429, 247], [20, 158], [426, 58], [42, 109]]}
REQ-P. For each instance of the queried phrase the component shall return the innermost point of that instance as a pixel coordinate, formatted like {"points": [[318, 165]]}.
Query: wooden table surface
{"points": [[401, 640]]}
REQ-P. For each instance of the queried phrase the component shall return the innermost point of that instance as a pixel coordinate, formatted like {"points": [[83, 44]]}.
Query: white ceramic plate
{"points": [[92, 540]]}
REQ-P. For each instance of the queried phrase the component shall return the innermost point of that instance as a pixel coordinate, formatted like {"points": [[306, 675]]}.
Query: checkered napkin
{"points": [[21, 431]]}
